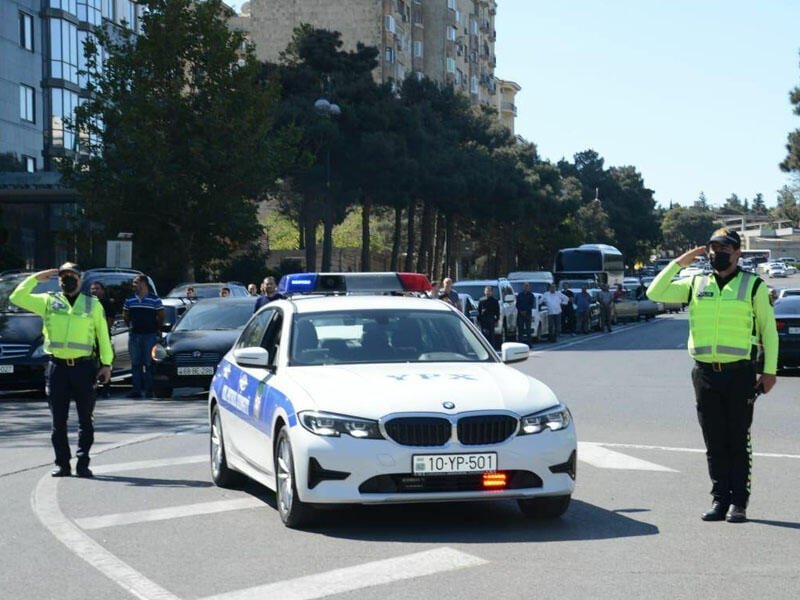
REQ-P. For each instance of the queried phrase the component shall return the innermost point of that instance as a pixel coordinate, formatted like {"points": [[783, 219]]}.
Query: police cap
{"points": [[726, 236], [70, 266]]}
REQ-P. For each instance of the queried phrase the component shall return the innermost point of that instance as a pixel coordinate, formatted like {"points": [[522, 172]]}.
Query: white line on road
{"points": [[149, 464], [600, 457], [699, 450], [172, 512], [45, 506], [362, 576]]}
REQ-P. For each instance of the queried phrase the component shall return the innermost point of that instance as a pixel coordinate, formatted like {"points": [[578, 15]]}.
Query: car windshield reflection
{"points": [[215, 316]]}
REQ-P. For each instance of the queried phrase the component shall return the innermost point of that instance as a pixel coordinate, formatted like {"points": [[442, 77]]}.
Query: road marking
{"points": [[597, 456], [698, 450], [45, 505], [172, 512], [149, 464], [369, 574], [595, 335]]}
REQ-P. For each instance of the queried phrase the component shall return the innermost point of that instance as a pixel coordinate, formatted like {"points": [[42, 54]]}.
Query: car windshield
{"points": [[539, 287], [215, 315], [475, 290], [577, 283], [8, 283], [384, 336], [788, 306], [208, 290]]}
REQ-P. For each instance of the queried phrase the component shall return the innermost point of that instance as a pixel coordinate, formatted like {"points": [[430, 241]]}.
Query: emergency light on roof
{"points": [[353, 283]]}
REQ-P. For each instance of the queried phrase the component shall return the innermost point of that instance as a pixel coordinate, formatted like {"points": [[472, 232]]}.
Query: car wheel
{"points": [[221, 473], [293, 512], [550, 507], [162, 391]]}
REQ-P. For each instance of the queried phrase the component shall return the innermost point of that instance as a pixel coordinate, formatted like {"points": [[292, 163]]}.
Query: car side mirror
{"points": [[513, 352], [253, 356]]}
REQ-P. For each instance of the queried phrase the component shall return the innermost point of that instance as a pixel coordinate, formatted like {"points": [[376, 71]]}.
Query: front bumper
{"points": [[166, 373], [27, 374], [357, 471]]}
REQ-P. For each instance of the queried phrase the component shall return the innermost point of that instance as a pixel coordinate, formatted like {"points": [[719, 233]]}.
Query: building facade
{"points": [[448, 41]]}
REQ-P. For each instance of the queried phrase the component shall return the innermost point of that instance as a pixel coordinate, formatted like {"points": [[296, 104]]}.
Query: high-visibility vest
{"points": [[721, 322], [69, 329]]}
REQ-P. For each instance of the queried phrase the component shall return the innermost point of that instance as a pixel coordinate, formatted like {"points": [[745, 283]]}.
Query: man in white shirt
{"points": [[554, 300]]}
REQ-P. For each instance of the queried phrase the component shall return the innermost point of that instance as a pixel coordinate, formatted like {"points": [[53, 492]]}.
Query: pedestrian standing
{"points": [[583, 303], [450, 293], [269, 289], [568, 310], [488, 314], [606, 300], [252, 290], [729, 315], [526, 302], [555, 300], [144, 315], [73, 324]]}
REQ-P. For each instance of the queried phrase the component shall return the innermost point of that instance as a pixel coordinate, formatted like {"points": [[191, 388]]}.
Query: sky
{"points": [[693, 93]]}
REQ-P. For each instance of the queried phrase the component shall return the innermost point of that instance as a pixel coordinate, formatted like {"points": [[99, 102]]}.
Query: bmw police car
{"points": [[345, 397]]}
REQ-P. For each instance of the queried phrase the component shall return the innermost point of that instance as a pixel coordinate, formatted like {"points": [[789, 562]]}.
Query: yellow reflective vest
{"points": [[724, 324], [70, 330]]}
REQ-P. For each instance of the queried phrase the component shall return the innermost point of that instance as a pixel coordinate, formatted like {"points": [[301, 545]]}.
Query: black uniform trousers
{"points": [[725, 411], [67, 383]]}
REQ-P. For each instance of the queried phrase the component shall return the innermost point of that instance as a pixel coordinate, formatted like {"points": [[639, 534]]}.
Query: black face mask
{"points": [[69, 285], [721, 261]]}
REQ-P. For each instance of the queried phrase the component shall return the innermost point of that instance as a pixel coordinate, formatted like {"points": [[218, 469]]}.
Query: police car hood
{"points": [[372, 391]]}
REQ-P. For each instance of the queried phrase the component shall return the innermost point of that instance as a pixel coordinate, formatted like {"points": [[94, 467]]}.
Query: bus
{"points": [[600, 262], [757, 257]]}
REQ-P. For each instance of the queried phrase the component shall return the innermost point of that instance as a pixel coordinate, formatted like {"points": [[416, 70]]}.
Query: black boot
{"points": [[61, 471], [82, 469], [736, 514], [716, 512]]}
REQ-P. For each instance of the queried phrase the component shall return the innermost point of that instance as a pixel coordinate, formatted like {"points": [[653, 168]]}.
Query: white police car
{"points": [[370, 399]]}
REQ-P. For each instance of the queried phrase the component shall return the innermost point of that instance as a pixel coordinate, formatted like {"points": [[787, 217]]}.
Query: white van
{"points": [[540, 280]]}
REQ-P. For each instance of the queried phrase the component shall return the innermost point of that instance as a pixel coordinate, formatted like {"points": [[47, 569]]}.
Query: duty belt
{"points": [[71, 362], [718, 367]]}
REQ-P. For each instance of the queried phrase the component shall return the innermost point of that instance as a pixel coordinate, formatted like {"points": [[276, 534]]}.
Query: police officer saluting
{"points": [[729, 316], [72, 322]]}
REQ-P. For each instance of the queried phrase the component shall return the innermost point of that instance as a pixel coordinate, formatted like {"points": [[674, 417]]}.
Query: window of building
{"points": [[473, 27], [418, 49], [64, 50], [27, 103], [458, 16], [459, 76], [26, 31], [107, 9], [62, 105], [473, 85], [451, 33], [389, 55], [390, 24], [451, 4], [89, 11], [69, 6], [130, 15], [30, 163], [451, 65]]}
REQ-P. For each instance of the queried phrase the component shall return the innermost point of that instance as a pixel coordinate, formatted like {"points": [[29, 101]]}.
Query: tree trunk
{"points": [[310, 229], [398, 232], [425, 238], [366, 206], [412, 207], [451, 246], [327, 236], [438, 248]]}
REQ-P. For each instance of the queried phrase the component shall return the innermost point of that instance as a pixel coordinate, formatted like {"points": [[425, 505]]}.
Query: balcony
{"points": [[509, 107]]}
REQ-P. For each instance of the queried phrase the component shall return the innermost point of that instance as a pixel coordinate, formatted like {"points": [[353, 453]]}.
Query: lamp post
{"points": [[327, 110]]}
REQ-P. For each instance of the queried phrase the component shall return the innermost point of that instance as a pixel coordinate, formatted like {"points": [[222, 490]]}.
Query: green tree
{"points": [[788, 205], [792, 161], [733, 206], [683, 228], [176, 138], [701, 203], [759, 207]]}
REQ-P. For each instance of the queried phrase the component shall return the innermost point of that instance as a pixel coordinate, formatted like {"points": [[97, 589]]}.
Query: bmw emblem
{"points": [[448, 405]]}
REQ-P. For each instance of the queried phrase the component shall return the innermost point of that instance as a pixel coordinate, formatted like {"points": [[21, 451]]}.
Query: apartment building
{"points": [[449, 41]]}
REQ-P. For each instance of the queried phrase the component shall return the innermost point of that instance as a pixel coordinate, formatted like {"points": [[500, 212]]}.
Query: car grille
{"points": [[405, 483], [11, 351], [204, 358], [419, 431], [486, 429]]}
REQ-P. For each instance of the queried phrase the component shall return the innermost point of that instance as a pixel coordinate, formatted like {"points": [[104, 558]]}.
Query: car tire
{"points": [[294, 513], [221, 474], [549, 507]]}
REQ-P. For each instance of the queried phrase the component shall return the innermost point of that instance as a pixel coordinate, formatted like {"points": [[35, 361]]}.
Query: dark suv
{"points": [[22, 358]]}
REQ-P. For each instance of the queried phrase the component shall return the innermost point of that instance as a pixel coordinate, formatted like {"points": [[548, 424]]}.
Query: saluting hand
{"points": [[687, 258], [45, 275]]}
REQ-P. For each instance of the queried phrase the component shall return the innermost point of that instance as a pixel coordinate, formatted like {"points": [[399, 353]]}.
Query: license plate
{"points": [[794, 330], [6, 368], [195, 370], [443, 464]]}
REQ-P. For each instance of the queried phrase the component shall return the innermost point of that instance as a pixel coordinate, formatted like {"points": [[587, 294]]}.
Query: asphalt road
{"points": [[152, 525]]}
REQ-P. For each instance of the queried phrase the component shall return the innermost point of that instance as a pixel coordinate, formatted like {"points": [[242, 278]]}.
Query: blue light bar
{"points": [[353, 283], [298, 283]]}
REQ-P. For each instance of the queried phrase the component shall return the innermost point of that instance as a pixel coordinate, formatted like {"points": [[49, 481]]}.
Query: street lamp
{"points": [[328, 110]]}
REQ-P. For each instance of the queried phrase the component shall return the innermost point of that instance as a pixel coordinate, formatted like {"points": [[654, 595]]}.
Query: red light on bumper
{"points": [[494, 480]]}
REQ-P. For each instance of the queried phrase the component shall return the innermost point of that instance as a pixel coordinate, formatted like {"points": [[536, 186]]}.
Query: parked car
{"points": [[22, 357], [594, 307], [633, 307], [775, 269], [540, 280], [787, 321], [188, 355], [788, 292], [539, 324], [501, 289], [208, 290]]}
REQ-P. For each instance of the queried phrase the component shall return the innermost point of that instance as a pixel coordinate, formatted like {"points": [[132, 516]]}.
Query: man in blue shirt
{"points": [[525, 304], [583, 301], [144, 315], [269, 293]]}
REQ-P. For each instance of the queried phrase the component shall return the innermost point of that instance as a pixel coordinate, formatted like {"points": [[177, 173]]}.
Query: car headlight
{"points": [[158, 353], [554, 418], [39, 352], [333, 425]]}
